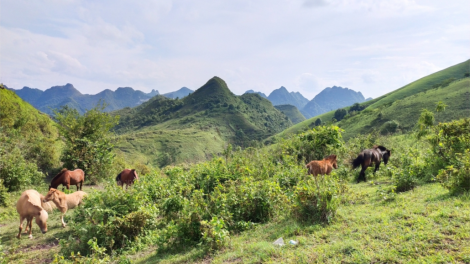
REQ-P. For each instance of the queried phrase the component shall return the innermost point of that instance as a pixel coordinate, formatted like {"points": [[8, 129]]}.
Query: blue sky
{"points": [[305, 45]]}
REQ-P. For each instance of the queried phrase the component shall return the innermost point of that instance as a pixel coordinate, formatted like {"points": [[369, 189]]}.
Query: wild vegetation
{"points": [[232, 206]]}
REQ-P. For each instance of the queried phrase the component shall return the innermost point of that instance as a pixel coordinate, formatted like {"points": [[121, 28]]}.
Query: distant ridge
{"points": [[260, 93], [58, 96], [281, 97], [331, 99], [183, 92]]}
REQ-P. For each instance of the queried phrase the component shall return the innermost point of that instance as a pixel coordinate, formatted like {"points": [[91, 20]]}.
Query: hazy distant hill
{"points": [[163, 131], [291, 112], [260, 93], [184, 91], [281, 97], [57, 96], [331, 99]]}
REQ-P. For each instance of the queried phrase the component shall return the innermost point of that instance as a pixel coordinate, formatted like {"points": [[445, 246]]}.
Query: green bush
{"points": [[316, 200], [4, 196], [314, 144], [457, 178], [16, 172], [247, 201], [116, 219], [215, 236], [389, 127]]}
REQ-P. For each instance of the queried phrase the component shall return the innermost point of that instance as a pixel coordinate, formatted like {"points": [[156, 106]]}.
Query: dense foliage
{"points": [[28, 146], [88, 144]]}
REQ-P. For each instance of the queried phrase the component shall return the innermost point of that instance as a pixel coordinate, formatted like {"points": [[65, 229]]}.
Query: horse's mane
{"points": [[330, 157], [382, 148], [59, 174]]}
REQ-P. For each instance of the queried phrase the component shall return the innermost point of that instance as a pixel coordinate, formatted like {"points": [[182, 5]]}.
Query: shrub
{"points": [[215, 236], [389, 127], [457, 178], [16, 172], [340, 114], [4, 197], [316, 200], [114, 218], [247, 201], [314, 144]]}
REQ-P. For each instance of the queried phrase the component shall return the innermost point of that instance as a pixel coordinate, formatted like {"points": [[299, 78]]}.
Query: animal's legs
{"points": [[377, 165], [21, 227], [362, 174], [68, 186], [62, 219], [30, 222]]}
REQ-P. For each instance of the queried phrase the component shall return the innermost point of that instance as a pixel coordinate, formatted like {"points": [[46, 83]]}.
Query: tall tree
{"points": [[87, 139]]}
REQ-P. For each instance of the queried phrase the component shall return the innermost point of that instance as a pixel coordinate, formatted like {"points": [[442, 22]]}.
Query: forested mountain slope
{"points": [[163, 131]]}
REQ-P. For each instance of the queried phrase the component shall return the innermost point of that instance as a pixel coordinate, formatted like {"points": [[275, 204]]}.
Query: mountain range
{"points": [[331, 98], [58, 96]]}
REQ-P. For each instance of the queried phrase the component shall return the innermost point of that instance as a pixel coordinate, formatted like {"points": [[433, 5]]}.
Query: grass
{"points": [[426, 225]]}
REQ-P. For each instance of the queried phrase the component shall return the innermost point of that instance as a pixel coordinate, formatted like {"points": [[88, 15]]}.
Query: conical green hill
{"points": [[214, 92]]}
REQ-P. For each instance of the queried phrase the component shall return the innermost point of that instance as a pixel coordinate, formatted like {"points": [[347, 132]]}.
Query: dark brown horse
{"points": [[127, 177], [322, 167], [369, 156], [67, 178]]}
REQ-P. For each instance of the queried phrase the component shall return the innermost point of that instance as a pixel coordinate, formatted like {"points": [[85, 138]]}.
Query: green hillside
{"points": [[291, 112], [164, 131], [29, 145], [451, 86]]}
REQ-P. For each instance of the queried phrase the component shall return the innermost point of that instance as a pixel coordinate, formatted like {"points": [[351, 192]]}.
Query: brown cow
{"points": [[127, 177], [322, 167]]}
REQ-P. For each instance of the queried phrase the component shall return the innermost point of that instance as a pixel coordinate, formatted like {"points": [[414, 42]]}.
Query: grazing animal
{"points": [[127, 177], [67, 178], [369, 156], [29, 206], [64, 201], [322, 167]]}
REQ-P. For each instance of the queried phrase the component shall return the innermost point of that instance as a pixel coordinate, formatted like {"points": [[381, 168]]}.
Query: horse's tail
{"points": [[358, 161]]}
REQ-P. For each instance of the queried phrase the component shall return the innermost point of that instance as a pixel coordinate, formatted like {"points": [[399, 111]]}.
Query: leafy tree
{"points": [[340, 114], [87, 140], [356, 107], [318, 122]]}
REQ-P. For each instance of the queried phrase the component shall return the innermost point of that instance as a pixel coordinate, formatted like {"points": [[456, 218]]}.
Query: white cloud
{"points": [[367, 45]]}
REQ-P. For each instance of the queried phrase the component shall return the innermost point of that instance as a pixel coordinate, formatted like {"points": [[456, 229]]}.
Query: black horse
{"points": [[369, 156]]}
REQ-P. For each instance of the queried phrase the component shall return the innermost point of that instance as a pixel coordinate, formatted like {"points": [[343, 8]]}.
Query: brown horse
{"points": [[322, 167], [369, 156], [67, 178], [127, 177]]}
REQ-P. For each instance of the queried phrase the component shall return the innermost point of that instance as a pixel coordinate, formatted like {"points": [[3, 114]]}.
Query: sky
{"points": [[304, 45]]}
